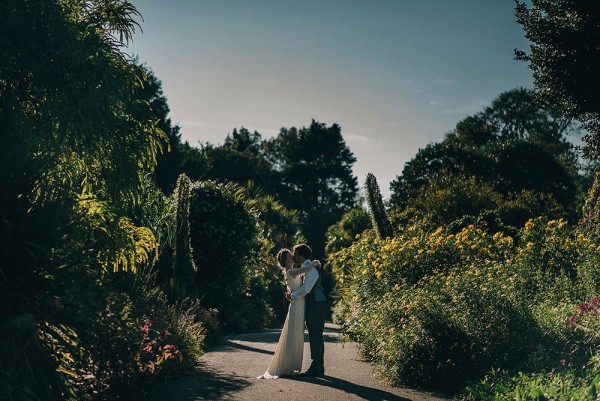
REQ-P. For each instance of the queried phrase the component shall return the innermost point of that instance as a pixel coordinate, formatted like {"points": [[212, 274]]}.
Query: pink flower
{"points": [[146, 327], [572, 320], [584, 307]]}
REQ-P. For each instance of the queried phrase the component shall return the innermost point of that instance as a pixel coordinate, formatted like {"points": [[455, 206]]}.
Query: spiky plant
{"points": [[184, 269], [377, 212], [591, 208]]}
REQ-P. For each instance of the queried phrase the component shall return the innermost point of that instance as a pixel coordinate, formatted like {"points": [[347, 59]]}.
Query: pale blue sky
{"points": [[394, 74]]}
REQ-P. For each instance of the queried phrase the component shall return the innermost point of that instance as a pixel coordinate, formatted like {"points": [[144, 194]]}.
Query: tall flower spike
{"points": [[377, 212]]}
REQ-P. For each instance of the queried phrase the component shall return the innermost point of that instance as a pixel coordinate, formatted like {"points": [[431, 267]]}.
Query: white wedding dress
{"points": [[290, 349]]}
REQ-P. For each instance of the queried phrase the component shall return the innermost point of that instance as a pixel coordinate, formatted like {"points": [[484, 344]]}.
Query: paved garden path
{"points": [[229, 373]]}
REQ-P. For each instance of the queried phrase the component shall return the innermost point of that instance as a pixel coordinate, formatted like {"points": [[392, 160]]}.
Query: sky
{"points": [[396, 75]]}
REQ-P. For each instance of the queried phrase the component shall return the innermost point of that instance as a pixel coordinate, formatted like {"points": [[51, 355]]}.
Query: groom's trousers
{"points": [[316, 314]]}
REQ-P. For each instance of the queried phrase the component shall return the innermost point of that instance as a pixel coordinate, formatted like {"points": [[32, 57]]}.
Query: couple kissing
{"points": [[307, 304]]}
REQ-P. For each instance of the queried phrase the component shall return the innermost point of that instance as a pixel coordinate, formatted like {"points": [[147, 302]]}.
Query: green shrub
{"points": [[555, 385], [440, 307], [448, 197], [341, 235], [227, 244]]}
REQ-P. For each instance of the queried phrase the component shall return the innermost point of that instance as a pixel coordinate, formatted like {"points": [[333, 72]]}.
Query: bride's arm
{"points": [[304, 269]]}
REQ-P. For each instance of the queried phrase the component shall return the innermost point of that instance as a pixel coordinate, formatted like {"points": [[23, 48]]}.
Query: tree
{"points": [[244, 141], [448, 197], [280, 226], [515, 144], [448, 155], [76, 146], [315, 166], [195, 163], [240, 160], [564, 54], [169, 161]]}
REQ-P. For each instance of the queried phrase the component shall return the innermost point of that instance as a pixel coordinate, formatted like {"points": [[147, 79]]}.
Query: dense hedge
{"points": [[441, 307]]}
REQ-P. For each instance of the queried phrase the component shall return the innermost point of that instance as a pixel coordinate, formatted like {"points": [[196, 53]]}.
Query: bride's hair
{"points": [[282, 256]]}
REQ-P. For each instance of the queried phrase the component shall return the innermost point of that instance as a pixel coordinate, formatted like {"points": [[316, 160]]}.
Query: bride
{"points": [[290, 349]]}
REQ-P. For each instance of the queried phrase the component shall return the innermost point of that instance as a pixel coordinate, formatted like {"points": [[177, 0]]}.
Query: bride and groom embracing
{"points": [[307, 303]]}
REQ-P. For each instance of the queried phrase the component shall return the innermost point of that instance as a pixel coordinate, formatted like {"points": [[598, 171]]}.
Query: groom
{"points": [[316, 309]]}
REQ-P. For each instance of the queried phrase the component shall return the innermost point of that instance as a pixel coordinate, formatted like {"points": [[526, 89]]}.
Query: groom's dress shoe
{"points": [[313, 373]]}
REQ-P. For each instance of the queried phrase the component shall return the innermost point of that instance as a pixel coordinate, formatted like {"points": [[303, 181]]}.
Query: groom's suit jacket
{"points": [[312, 287]]}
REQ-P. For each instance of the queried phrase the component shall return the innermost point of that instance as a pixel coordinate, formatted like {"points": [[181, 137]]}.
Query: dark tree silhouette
{"points": [[564, 54], [315, 166], [76, 147], [169, 161], [515, 144]]}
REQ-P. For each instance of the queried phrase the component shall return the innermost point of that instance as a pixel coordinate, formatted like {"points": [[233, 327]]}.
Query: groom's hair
{"points": [[303, 250]]}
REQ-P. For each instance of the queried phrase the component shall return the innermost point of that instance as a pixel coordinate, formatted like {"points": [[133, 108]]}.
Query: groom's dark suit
{"points": [[315, 316]]}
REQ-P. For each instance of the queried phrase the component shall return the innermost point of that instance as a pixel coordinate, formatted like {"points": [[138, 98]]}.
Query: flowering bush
{"points": [[439, 307], [587, 321], [572, 377], [113, 342], [157, 349]]}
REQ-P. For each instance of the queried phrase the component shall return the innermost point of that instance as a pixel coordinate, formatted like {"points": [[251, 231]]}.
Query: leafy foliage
{"points": [[437, 308], [280, 225], [341, 235], [225, 237], [565, 47], [315, 167], [591, 208], [241, 159], [80, 222], [169, 163], [517, 144], [449, 198]]}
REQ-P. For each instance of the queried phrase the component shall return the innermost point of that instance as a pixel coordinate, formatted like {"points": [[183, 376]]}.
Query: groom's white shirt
{"points": [[310, 278]]}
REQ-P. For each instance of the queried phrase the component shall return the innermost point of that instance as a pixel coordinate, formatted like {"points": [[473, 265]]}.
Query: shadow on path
{"points": [[368, 393], [232, 344], [267, 336], [206, 384], [272, 336]]}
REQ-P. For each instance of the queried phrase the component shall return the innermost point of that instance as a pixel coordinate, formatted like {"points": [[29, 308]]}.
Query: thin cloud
{"points": [[361, 139], [467, 109], [429, 89]]}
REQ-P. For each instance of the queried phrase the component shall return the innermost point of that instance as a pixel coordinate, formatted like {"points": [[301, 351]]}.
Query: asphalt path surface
{"points": [[230, 371]]}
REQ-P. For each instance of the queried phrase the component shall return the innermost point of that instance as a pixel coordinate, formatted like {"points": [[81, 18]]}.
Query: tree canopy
{"points": [[315, 168], [308, 170], [517, 143], [563, 55]]}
